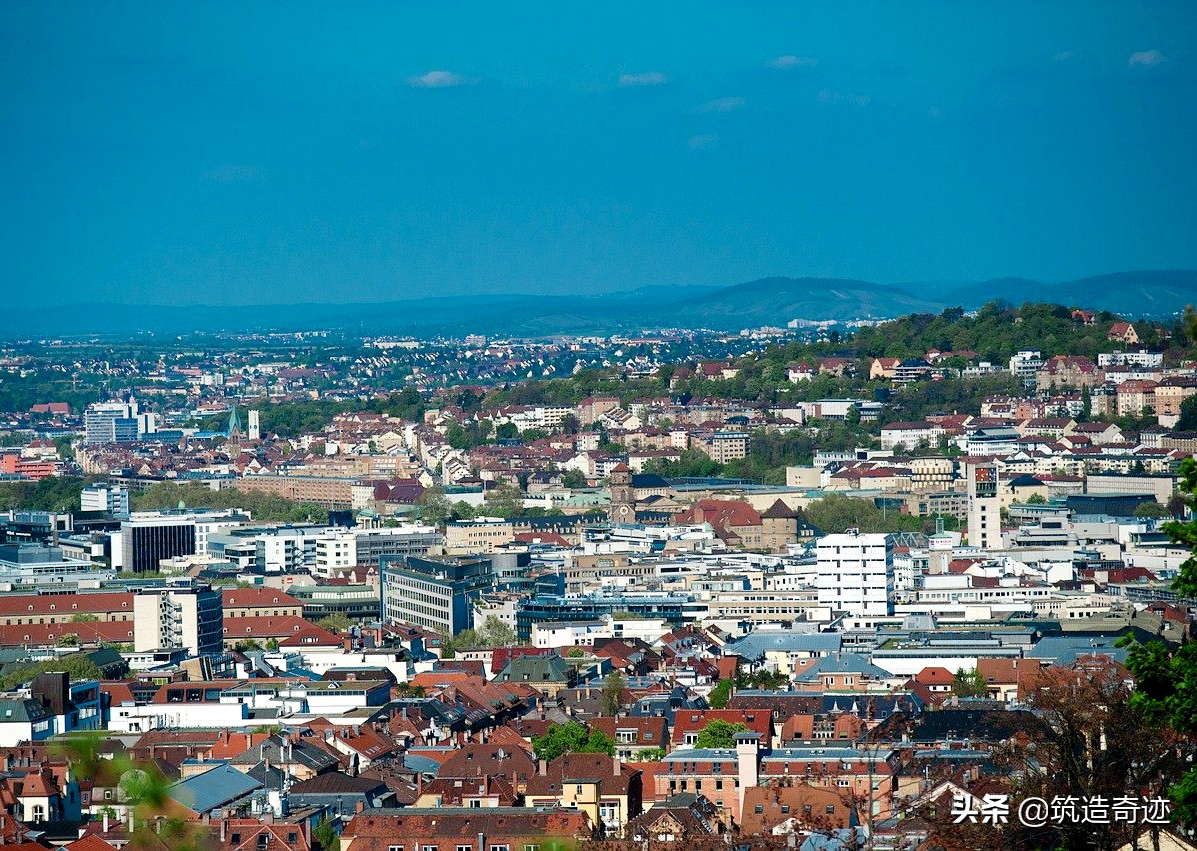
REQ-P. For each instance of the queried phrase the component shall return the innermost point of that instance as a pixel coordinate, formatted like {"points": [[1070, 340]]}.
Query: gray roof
{"points": [[218, 787], [842, 663], [1066, 649], [756, 644], [421, 764], [533, 669]]}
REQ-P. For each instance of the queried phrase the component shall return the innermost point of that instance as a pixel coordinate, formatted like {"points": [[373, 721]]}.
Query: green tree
{"points": [[613, 687], [336, 622], [84, 617], [325, 837], [1152, 509], [1166, 677], [571, 737], [969, 683], [719, 734], [1188, 415], [721, 694], [434, 506], [506, 500], [496, 632], [1036, 499], [574, 479]]}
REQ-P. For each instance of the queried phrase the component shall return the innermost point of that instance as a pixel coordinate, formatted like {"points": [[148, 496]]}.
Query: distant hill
{"points": [[775, 301], [768, 301], [1145, 293]]}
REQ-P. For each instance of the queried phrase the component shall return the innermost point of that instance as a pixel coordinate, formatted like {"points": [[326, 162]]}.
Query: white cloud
{"points": [[1064, 56], [652, 78], [721, 105], [830, 96], [785, 63], [1146, 59], [702, 142], [439, 80], [232, 174]]}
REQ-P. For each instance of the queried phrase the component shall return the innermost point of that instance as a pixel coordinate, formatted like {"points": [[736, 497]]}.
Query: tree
{"points": [[496, 632], [969, 683], [613, 688], [721, 694], [507, 500], [336, 622], [573, 479], [650, 755], [1166, 678], [324, 836], [1188, 415], [571, 737], [84, 617], [1152, 509], [434, 506], [1036, 499], [719, 734]]}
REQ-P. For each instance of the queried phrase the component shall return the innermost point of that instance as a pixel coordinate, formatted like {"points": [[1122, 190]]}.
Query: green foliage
{"points": [[494, 633], [336, 622], [325, 837], [719, 734], [1152, 509], [959, 394], [263, 506], [1166, 678], [571, 737], [612, 698], [996, 332], [84, 617], [835, 513], [52, 493], [292, 419], [650, 755], [573, 479], [77, 665], [969, 683], [721, 694], [507, 500], [1188, 415]]}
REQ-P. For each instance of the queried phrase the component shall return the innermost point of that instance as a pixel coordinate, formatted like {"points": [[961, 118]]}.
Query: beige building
{"points": [[330, 492], [468, 537]]}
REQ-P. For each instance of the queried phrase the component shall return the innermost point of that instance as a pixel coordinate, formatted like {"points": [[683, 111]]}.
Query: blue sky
{"points": [[237, 153]]}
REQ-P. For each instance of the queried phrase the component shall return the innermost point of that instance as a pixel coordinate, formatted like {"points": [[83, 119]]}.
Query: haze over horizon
{"points": [[218, 155]]}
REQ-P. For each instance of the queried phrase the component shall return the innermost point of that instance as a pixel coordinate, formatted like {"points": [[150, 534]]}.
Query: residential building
{"points": [[183, 614], [855, 573]]}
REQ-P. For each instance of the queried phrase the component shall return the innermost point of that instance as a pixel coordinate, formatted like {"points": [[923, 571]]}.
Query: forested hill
{"points": [[999, 330]]}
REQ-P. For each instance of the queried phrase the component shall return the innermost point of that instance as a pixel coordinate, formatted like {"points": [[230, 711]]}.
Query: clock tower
{"points": [[623, 502]]}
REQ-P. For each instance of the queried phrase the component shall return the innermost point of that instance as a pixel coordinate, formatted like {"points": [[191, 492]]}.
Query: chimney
{"points": [[105, 820], [224, 824], [359, 808], [616, 765]]}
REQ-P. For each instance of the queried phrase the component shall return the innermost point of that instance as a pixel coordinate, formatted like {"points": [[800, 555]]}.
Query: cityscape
{"points": [[402, 483]]}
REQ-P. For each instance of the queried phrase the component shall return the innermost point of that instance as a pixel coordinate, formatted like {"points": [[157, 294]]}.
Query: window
{"points": [[394, 848], [499, 847], [263, 840], [785, 809], [830, 809], [465, 848], [235, 838], [292, 838]]}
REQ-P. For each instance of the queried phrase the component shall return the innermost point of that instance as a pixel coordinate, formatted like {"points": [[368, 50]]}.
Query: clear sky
{"points": [[176, 153]]}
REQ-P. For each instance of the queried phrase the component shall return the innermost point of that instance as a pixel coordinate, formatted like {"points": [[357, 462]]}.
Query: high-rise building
{"points": [[183, 614], [854, 573], [106, 497], [111, 422], [436, 593], [984, 506]]}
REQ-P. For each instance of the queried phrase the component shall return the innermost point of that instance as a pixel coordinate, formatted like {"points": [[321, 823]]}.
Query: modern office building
{"points": [[116, 422], [679, 608], [184, 614], [436, 593], [854, 573], [147, 540]]}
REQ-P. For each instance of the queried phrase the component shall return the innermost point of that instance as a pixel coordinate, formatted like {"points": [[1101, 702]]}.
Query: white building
{"points": [[1025, 364], [184, 614], [108, 498], [984, 506], [855, 573]]}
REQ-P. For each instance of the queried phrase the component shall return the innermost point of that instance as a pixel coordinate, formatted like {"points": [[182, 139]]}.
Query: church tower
{"points": [[623, 502]]}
